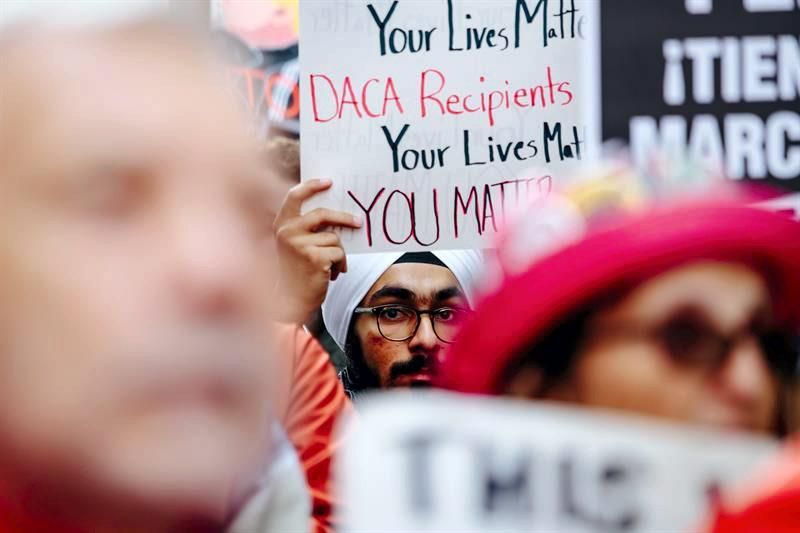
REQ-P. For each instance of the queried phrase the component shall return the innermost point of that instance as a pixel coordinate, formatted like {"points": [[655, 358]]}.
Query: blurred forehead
{"points": [[142, 93], [730, 294]]}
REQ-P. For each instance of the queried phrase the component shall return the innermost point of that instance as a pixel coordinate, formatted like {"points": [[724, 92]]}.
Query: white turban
{"points": [[363, 270]]}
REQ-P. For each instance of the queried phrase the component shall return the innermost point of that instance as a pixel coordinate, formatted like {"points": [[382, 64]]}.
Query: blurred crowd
{"points": [[181, 339]]}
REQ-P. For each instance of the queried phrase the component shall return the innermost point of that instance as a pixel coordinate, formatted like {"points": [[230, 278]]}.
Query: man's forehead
{"points": [[37, 53], [114, 83], [421, 279]]}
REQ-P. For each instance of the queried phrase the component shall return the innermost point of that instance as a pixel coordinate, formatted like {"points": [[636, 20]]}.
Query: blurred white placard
{"points": [[438, 461], [435, 117]]}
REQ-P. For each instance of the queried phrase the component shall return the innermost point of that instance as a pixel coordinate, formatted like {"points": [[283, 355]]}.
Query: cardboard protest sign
{"points": [[438, 461], [712, 80], [435, 117]]}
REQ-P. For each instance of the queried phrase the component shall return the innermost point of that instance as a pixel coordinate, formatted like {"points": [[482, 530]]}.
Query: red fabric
{"points": [[528, 304], [777, 514], [771, 502], [316, 401], [14, 520]]}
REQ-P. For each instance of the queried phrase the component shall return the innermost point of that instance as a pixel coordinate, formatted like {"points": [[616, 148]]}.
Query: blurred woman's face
{"points": [[687, 345]]}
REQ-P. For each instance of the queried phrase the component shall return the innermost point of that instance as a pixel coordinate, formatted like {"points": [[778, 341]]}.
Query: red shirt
{"points": [[309, 408]]}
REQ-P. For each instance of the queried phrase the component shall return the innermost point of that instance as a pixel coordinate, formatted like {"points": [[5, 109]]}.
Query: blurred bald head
{"points": [[134, 265], [149, 74]]}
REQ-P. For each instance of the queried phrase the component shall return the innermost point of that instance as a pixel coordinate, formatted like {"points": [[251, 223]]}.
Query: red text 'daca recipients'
{"points": [[377, 97]]}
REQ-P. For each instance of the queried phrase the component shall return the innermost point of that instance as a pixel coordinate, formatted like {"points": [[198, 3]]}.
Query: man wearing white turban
{"points": [[391, 313]]}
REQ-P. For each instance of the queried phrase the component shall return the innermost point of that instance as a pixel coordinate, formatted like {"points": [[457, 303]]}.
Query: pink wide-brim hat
{"points": [[528, 304]]}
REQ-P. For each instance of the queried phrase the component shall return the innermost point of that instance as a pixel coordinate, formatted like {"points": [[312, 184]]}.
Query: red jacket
{"points": [[769, 503]]}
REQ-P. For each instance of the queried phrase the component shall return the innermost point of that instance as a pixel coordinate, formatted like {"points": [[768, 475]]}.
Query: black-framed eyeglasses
{"points": [[693, 341], [400, 322]]}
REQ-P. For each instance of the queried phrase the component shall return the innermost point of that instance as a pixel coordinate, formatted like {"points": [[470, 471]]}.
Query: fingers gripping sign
{"points": [[310, 251]]}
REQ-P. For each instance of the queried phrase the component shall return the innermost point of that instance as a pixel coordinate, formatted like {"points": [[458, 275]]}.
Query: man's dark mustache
{"points": [[416, 364]]}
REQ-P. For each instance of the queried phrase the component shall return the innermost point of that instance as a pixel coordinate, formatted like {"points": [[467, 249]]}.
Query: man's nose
{"points": [[425, 338], [212, 260]]}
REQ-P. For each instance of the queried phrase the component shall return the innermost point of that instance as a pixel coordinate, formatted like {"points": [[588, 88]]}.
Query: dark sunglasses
{"points": [[692, 340]]}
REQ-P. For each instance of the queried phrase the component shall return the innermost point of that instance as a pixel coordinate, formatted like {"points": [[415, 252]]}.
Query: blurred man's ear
{"points": [[282, 155]]}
